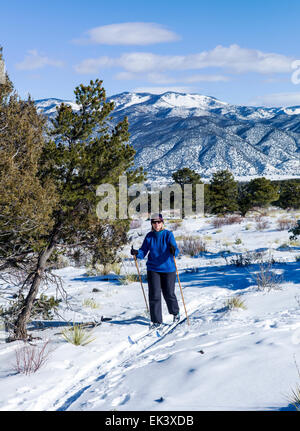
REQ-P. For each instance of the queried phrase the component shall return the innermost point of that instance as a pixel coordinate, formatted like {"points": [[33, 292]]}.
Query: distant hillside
{"points": [[173, 130]]}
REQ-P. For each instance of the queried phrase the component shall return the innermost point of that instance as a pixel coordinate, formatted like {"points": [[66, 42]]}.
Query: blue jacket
{"points": [[158, 244]]}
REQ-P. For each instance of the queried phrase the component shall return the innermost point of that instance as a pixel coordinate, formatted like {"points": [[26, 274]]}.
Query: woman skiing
{"points": [[161, 271]]}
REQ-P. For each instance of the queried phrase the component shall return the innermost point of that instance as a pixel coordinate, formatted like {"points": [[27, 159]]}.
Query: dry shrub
{"points": [[130, 278], [245, 259], [285, 224], [235, 302], [222, 221], [192, 246], [103, 269], [175, 224], [31, 358], [135, 224], [294, 399], [233, 219], [77, 335], [261, 223], [266, 279], [218, 222]]}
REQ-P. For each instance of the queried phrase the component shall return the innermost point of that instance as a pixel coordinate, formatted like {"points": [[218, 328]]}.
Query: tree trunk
{"points": [[20, 330]]}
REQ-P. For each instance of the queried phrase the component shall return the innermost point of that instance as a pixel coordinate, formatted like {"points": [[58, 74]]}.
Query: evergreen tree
{"points": [[83, 153], [187, 176], [289, 195], [26, 204], [206, 198], [6, 87], [223, 193], [259, 192], [295, 231]]}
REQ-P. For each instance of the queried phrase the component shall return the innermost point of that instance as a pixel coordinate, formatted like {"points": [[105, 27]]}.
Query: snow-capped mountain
{"points": [[174, 130]]}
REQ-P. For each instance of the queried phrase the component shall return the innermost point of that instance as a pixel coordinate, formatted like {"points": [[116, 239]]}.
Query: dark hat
{"points": [[157, 217]]}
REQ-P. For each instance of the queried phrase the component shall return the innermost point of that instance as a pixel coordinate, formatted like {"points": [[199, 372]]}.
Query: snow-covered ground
{"points": [[243, 359]]}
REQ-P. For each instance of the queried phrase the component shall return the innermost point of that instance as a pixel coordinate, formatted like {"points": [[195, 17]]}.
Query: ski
{"points": [[168, 328], [159, 332], [133, 340]]}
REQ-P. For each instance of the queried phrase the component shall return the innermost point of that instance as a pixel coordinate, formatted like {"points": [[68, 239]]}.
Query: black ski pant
{"points": [[161, 282]]}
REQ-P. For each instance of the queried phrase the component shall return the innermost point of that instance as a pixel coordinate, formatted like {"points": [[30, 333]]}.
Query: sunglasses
{"points": [[154, 222]]}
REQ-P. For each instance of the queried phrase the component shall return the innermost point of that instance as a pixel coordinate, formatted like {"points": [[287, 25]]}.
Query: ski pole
{"points": [[187, 318], [137, 268]]}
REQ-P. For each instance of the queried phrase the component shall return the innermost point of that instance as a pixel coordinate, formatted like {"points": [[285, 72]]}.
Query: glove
{"points": [[172, 250], [133, 252]]}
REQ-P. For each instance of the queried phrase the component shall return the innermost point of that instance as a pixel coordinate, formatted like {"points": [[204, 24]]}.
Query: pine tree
{"points": [[295, 231], [26, 205], [6, 88], [82, 153], [259, 192], [289, 195], [223, 193], [187, 176]]}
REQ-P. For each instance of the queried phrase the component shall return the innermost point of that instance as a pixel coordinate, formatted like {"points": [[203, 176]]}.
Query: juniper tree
{"points": [[25, 203], [6, 85], [187, 176], [259, 192], [82, 152], [289, 195], [223, 193], [295, 231]]}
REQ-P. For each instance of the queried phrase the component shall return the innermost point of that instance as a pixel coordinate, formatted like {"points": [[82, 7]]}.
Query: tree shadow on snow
{"points": [[233, 277], [289, 408], [137, 320], [50, 324], [290, 271], [226, 276], [112, 278]]}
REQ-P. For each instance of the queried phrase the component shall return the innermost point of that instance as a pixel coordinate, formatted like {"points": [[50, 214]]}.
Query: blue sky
{"points": [[242, 52]]}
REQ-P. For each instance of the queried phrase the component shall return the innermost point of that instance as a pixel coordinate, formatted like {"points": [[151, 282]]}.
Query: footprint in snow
{"points": [[119, 401]]}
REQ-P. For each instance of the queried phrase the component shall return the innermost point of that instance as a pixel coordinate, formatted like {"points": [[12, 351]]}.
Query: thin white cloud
{"points": [[138, 62], [277, 100], [241, 60], [33, 60], [162, 79], [128, 33], [126, 76], [206, 78], [233, 59], [161, 90], [94, 65], [154, 78]]}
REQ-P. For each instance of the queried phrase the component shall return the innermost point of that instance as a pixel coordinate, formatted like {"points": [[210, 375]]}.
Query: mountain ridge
{"points": [[174, 130]]}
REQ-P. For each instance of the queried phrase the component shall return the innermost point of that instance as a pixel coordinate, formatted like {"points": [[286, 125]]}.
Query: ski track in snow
{"points": [[90, 392], [248, 355], [112, 371]]}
